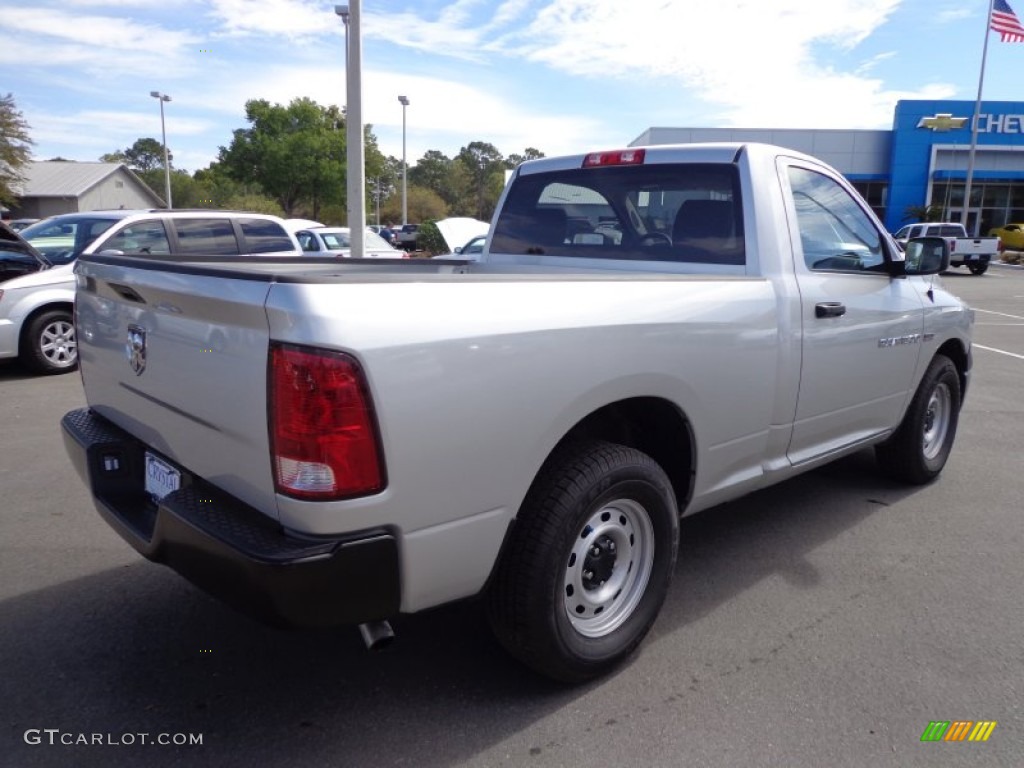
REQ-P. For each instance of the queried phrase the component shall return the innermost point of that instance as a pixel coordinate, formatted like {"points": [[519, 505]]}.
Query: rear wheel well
{"points": [[651, 425]]}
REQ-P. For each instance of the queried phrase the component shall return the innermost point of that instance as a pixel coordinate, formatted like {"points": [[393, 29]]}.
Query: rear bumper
{"points": [[229, 549], [963, 260]]}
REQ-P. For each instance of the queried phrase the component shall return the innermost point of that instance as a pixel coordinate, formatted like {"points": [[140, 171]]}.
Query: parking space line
{"points": [[1000, 351], [1001, 314]]}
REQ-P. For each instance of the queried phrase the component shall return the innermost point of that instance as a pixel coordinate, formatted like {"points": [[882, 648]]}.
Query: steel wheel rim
{"points": [[936, 421], [57, 343], [615, 546]]}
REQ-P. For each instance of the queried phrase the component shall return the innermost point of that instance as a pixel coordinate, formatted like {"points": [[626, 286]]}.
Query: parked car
{"points": [[528, 428], [19, 224], [975, 253], [1010, 235], [36, 310], [337, 242], [17, 256], [407, 236], [470, 251]]}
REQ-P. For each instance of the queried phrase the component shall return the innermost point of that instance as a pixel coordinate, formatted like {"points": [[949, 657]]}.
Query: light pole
{"points": [[162, 97], [355, 171], [342, 10], [404, 101]]}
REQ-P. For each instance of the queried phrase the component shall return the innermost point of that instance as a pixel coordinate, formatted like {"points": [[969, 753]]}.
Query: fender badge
{"points": [[135, 349]]}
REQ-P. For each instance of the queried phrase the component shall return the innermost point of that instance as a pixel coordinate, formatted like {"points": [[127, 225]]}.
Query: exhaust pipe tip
{"points": [[377, 635]]}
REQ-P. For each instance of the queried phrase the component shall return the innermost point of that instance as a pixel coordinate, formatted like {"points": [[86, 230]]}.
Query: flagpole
{"points": [[974, 122]]}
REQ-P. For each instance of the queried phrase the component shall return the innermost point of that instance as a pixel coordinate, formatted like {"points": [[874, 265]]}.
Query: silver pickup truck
{"points": [[649, 333]]}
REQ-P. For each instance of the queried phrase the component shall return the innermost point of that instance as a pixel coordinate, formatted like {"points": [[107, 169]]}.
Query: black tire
{"points": [[556, 606], [978, 269], [49, 345], [918, 450]]}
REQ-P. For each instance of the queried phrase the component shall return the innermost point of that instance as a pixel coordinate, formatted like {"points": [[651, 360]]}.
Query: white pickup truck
{"points": [[330, 443], [975, 253]]}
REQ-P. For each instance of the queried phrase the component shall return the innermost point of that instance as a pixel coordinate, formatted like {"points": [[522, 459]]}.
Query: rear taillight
{"points": [[323, 433], [619, 157]]}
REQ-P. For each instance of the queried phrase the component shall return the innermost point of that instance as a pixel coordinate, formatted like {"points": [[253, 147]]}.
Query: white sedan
{"points": [[336, 242]]}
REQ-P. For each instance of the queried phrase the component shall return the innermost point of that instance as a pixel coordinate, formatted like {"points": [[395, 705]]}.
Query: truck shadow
{"points": [[137, 650]]}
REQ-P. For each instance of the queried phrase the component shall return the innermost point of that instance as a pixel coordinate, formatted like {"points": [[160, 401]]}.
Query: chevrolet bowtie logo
{"points": [[942, 122]]}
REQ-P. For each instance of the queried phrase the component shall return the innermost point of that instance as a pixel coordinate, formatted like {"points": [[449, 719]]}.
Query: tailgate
{"points": [[179, 360]]}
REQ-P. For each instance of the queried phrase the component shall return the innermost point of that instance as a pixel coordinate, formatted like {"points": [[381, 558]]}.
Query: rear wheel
{"points": [[917, 451], [50, 345], [589, 562], [978, 269]]}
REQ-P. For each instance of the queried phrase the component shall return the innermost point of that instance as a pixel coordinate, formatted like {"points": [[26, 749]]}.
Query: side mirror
{"points": [[110, 252], [927, 255], [458, 249]]}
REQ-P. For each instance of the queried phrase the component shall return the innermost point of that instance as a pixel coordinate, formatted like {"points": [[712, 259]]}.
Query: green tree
{"points": [[117, 156], [422, 204], [145, 155], [513, 160], [485, 167], [923, 213], [295, 153], [430, 239], [15, 148]]}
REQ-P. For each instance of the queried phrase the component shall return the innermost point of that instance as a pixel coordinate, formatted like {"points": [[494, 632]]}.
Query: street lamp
{"points": [[404, 101], [355, 162], [342, 10], [162, 97]]}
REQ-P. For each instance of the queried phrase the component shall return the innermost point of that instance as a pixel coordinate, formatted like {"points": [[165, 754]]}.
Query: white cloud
{"points": [[96, 45], [95, 132], [442, 114], [287, 18], [950, 15], [757, 61]]}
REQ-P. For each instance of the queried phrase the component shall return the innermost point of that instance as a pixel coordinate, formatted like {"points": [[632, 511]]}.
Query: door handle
{"points": [[829, 309]]}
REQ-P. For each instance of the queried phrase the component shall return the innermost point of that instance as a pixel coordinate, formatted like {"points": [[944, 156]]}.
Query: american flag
{"points": [[1005, 22]]}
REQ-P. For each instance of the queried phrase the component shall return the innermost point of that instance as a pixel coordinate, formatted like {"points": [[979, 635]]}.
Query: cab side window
{"points": [[835, 233]]}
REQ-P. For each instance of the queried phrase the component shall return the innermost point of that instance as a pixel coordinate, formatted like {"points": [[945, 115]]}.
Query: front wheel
{"points": [[918, 450], [978, 269], [589, 562]]}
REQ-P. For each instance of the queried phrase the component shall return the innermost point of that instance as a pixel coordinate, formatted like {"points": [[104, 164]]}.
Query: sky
{"points": [[561, 76]]}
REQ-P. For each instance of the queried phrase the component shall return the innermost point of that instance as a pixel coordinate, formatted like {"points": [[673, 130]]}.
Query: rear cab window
{"points": [[687, 212]]}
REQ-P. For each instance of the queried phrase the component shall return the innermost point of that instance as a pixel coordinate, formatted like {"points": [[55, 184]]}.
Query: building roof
{"points": [[57, 178], [65, 178]]}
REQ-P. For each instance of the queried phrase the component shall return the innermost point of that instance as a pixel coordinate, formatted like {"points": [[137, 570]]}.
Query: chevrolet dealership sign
{"points": [[942, 122], [987, 123]]}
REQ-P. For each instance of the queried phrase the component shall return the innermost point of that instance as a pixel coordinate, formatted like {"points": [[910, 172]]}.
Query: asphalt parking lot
{"points": [[822, 622]]}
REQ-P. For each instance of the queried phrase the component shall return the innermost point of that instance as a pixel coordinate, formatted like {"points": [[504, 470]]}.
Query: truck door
{"points": [[861, 327]]}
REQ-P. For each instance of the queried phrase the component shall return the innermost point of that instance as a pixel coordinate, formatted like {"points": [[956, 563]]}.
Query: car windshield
{"points": [[61, 241]]}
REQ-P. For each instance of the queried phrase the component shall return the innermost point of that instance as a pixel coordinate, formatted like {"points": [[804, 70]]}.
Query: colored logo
{"points": [[943, 121], [958, 730]]}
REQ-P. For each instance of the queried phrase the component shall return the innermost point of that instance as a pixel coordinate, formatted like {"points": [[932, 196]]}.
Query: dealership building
{"points": [[921, 161]]}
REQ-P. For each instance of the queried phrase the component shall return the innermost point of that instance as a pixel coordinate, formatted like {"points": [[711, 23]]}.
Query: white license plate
{"points": [[974, 256], [161, 478]]}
